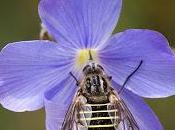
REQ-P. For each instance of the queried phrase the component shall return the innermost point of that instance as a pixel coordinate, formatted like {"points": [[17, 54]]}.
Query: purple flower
{"points": [[34, 74]]}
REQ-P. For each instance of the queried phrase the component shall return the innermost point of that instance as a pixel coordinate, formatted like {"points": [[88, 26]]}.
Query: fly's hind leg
{"points": [[83, 112], [114, 109]]}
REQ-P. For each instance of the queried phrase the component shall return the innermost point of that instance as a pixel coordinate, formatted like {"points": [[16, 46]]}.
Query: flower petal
{"points": [[55, 114], [28, 69], [142, 113], [57, 102], [123, 53], [80, 23]]}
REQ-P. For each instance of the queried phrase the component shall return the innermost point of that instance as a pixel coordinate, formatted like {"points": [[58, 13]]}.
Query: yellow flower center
{"points": [[83, 56]]}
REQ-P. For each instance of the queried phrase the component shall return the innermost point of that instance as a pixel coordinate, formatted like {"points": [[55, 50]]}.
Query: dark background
{"points": [[19, 21]]}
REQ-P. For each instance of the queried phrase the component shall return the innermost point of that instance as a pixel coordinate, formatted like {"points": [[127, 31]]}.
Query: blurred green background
{"points": [[19, 21]]}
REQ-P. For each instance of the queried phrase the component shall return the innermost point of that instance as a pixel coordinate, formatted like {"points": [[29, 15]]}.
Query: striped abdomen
{"points": [[99, 117]]}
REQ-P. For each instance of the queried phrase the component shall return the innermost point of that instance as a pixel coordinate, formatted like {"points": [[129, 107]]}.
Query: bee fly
{"points": [[96, 105]]}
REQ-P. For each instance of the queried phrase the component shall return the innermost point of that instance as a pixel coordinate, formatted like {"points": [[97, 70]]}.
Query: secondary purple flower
{"points": [[34, 73]]}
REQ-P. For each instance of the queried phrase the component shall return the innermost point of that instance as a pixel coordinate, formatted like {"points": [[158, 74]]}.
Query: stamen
{"points": [[83, 56]]}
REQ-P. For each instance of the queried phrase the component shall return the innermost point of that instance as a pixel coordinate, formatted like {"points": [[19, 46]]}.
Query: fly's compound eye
{"points": [[87, 69], [100, 67], [88, 85]]}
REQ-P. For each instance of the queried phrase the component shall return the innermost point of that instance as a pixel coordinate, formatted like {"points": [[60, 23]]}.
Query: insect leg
{"points": [[124, 118], [71, 118], [77, 82], [84, 112], [127, 79]]}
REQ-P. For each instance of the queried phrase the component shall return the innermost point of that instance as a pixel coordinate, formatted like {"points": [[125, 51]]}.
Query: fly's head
{"points": [[92, 68], [96, 82]]}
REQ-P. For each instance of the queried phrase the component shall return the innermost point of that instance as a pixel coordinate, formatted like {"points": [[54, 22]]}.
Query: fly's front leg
{"points": [[114, 109], [113, 97], [83, 112]]}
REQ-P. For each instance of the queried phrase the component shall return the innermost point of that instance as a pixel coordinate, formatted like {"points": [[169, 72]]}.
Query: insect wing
{"points": [[70, 118], [121, 116], [128, 118], [75, 118]]}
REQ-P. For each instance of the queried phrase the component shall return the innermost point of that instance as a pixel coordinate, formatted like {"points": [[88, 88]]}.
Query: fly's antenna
{"points": [[90, 56], [77, 82], [127, 79]]}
